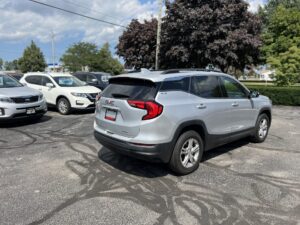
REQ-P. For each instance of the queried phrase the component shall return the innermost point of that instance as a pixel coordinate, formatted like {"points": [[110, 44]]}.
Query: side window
{"points": [[81, 77], [37, 80], [233, 89], [176, 84], [206, 87], [90, 78], [46, 80]]}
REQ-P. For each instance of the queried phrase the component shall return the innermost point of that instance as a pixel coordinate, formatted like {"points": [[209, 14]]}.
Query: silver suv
{"points": [[18, 101], [175, 116]]}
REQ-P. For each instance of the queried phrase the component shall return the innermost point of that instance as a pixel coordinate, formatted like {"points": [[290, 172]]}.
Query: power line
{"points": [[93, 10], [78, 14]]}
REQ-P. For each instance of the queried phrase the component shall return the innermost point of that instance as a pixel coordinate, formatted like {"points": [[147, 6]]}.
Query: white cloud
{"points": [[22, 20], [254, 4]]}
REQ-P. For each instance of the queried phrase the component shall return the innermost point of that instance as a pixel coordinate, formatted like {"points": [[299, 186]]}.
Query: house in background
{"points": [[262, 72]]}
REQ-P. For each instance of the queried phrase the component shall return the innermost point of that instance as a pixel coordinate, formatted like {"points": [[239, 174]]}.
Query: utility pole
{"points": [[158, 35], [53, 49]]}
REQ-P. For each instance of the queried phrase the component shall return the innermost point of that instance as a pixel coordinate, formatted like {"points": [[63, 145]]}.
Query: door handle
{"points": [[201, 106], [235, 104]]}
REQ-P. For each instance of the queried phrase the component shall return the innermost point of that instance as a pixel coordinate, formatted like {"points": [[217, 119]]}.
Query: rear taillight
{"points": [[153, 108]]}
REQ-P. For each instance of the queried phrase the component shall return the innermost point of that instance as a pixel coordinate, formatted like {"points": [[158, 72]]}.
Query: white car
{"points": [[62, 90], [18, 101]]}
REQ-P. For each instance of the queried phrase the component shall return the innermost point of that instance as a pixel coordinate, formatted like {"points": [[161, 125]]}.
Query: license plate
{"points": [[30, 111], [111, 115]]}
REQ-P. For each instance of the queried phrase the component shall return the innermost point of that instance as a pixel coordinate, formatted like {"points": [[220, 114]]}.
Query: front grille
{"points": [[25, 99], [92, 97]]}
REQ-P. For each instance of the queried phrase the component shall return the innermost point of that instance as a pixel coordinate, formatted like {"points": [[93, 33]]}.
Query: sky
{"points": [[23, 21]]}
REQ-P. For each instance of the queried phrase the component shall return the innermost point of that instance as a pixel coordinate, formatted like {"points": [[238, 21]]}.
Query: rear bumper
{"points": [[157, 153]]}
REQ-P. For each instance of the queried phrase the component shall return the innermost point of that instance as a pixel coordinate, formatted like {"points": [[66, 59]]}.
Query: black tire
{"points": [[63, 106], [258, 136], [176, 162]]}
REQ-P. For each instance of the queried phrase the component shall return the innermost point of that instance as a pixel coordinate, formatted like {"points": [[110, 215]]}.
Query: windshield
{"points": [[8, 82], [104, 77], [68, 81]]}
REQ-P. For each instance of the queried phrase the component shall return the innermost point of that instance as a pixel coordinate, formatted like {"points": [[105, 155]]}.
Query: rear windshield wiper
{"points": [[120, 96]]}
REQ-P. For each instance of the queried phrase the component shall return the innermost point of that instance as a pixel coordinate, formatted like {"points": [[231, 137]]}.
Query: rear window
{"points": [[128, 88]]}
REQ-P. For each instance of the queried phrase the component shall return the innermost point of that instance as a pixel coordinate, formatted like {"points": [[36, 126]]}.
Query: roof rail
{"points": [[170, 71]]}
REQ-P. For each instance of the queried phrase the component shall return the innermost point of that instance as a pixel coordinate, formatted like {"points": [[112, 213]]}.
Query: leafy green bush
{"points": [[279, 95]]}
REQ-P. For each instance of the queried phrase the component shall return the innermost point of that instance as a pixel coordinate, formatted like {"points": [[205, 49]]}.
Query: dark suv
{"points": [[96, 79]]}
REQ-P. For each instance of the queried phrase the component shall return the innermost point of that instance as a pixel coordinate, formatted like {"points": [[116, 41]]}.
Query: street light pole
{"points": [[158, 35], [53, 49]]}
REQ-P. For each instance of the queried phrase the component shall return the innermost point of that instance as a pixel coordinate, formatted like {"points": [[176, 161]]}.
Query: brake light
{"points": [[153, 108]]}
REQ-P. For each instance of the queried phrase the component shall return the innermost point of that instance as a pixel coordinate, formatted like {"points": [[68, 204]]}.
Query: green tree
{"points": [[270, 7], [106, 63], [32, 60], [80, 55], [11, 65], [282, 42], [287, 66], [1, 63]]}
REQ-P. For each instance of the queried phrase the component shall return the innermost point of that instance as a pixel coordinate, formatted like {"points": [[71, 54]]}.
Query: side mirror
{"points": [[254, 94], [50, 85]]}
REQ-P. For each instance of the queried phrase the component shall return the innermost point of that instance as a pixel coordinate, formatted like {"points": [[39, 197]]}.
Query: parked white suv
{"points": [[62, 90]]}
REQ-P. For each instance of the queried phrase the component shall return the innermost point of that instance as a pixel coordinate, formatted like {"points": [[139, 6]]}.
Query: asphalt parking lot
{"points": [[54, 172]]}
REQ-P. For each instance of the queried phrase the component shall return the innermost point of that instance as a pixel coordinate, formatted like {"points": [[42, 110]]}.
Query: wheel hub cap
{"points": [[189, 154], [263, 128]]}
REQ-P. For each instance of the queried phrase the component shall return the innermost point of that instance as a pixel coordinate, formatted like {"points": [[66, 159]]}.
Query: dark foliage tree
{"points": [[32, 60], [137, 44], [219, 32]]}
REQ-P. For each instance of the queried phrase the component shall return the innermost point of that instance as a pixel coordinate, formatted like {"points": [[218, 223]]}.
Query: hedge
{"points": [[279, 95]]}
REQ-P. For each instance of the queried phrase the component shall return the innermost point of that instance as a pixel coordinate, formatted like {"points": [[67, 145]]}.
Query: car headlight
{"points": [[82, 95], [6, 99], [41, 97]]}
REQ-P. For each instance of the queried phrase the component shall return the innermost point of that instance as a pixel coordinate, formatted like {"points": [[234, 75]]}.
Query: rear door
{"points": [[210, 105], [115, 115], [242, 112], [34, 81], [49, 93]]}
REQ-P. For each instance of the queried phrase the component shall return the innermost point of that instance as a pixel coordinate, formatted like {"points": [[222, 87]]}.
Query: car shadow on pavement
{"points": [[24, 122], [142, 168], [225, 149], [74, 112], [133, 166]]}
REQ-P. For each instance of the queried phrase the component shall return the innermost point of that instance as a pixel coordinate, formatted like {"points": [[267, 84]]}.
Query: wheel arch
{"points": [[61, 96], [195, 125], [266, 111]]}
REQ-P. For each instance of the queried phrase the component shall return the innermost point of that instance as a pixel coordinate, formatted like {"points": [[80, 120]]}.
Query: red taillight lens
{"points": [[153, 108]]}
